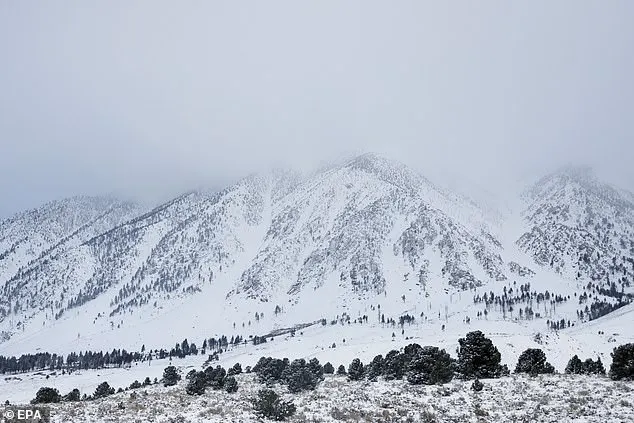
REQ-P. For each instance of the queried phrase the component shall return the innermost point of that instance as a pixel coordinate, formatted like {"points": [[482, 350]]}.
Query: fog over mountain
{"points": [[149, 99]]}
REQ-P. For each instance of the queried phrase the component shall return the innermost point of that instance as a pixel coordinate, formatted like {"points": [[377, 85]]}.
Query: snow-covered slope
{"points": [[366, 237]]}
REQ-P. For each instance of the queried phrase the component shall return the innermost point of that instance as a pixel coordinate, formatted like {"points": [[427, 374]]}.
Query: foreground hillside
{"points": [[555, 398]]}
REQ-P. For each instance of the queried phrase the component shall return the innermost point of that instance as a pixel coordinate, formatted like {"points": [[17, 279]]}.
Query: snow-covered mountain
{"points": [[581, 228], [291, 248]]}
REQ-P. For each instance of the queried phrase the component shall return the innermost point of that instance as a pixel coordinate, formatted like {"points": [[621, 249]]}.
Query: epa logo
{"points": [[25, 414]]}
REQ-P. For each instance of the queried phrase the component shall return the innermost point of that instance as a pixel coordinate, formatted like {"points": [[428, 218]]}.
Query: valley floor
{"points": [[554, 398]]}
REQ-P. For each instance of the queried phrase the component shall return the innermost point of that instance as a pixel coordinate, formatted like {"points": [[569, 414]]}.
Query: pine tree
{"points": [[46, 395], [268, 404], [375, 368], [103, 390], [196, 385], [533, 361], [355, 370], [328, 368], [341, 370], [430, 365], [170, 376], [72, 396], [574, 366], [622, 362], [478, 357]]}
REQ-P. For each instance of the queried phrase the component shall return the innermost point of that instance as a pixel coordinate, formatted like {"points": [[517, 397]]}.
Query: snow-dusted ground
{"points": [[556, 398], [524, 395]]}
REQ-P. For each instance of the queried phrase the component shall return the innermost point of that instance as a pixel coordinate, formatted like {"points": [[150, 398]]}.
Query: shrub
{"points": [[235, 370], [72, 396], [196, 384], [267, 404], [231, 385], [103, 390], [170, 376], [478, 357], [46, 395], [341, 370], [328, 368], [355, 370], [135, 385], [588, 367], [622, 362], [429, 366], [477, 385], [533, 361]]}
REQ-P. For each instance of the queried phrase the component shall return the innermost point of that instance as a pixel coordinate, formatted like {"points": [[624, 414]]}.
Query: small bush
{"points": [[477, 385], [103, 390], [268, 404], [231, 385], [329, 368], [46, 395], [72, 396], [341, 370], [135, 385]]}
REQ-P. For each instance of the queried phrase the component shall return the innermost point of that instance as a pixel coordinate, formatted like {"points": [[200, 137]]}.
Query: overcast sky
{"points": [[148, 98]]}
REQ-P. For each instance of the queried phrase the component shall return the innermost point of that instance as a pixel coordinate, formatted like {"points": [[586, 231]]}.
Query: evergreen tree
{"points": [[298, 376], [268, 404], [135, 385], [394, 365], [478, 357], [341, 370], [170, 376], [147, 381], [375, 368], [429, 366], [103, 390], [574, 366], [46, 395], [328, 368], [231, 385], [72, 396], [533, 361], [477, 385], [235, 370], [355, 370], [196, 385], [622, 362]]}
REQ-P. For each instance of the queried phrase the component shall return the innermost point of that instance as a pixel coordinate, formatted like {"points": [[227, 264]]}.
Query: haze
{"points": [[147, 98]]}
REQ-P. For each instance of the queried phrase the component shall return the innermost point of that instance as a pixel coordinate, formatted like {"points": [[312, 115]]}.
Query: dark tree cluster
{"points": [[215, 378], [297, 375], [588, 367]]}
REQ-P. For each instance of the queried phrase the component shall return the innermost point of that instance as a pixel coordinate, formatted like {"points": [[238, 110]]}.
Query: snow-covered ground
{"points": [[359, 340], [556, 398]]}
